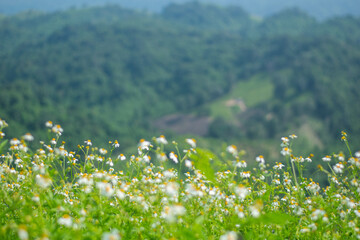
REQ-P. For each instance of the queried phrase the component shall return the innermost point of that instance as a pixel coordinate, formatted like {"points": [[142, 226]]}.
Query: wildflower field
{"points": [[164, 192]]}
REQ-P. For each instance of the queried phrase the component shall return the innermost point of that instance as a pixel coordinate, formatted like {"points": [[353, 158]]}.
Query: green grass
{"points": [[253, 91], [171, 190]]}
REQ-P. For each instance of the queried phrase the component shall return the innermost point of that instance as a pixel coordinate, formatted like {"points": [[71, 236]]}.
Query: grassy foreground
{"points": [[98, 193]]}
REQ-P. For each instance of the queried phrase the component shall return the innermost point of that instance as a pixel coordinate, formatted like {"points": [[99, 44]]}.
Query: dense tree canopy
{"points": [[107, 73]]}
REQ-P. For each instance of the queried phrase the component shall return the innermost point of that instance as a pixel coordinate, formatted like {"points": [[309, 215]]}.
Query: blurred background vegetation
{"points": [[214, 73]]}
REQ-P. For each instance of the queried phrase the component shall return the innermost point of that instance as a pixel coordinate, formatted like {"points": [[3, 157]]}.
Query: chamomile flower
{"points": [[241, 164], [338, 168], [174, 157], [260, 159], [22, 232], [65, 220], [105, 189], [43, 181], [286, 151], [241, 192], [191, 142], [116, 144], [110, 162], [292, 136], [144, 145], [57, 129], [188, 163], [113, 235], [161, 157], [245, 174], [170, 213], [28, 137], [278, 166], [103, 151], [229, 236], [49, 124], [14, 142], [232, 149], [284, 141], [161, 140], [122, 157]]}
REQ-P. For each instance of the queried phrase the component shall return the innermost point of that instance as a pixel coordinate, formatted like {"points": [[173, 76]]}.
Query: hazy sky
{"points": [[320, 8]]}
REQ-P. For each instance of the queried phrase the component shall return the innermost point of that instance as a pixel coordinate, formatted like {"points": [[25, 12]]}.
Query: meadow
{"points": [[163, 191]]}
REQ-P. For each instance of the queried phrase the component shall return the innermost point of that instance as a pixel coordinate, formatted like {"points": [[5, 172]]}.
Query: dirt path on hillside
{"points": [[184, 124]]}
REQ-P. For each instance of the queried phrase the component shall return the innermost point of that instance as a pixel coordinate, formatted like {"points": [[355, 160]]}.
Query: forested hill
{"points": [[107, 73]]}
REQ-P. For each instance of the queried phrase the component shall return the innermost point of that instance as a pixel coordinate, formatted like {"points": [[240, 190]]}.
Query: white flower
{"points": [[116, 144], [122, 157], [326, 158], [241, 164], [110, 162], [188, 163], [3, 123], [172, 189], [232, 149], [191, 142], [28, 137], [14, 142], [49, 124], [120, 194], [279, 166], [287, 181], [292, 136], [305, 230], [285, 151], [113, 235], [43, 181], [255, 212], [173, 157], [57, 129], [161, 140], [245, 174], [276, 181], [338, 168], [229, 236], [144, 145], [357, 213], [170, 213], [65, 220], [102, 151], [285, 141], [260, 159], [313, 187], [22, 232], [146, 158], [161, 157], [316, 214], [105, 189], [86, 180], [242, 192], [88, 142], [169, 174]]}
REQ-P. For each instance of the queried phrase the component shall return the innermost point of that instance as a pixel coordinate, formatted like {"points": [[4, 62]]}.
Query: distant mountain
{"points": [[320, 9], [109, 73]]}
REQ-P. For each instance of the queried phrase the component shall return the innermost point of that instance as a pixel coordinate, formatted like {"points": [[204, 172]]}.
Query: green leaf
{"points": [[274, 218], [2, 145], [202, 159]]}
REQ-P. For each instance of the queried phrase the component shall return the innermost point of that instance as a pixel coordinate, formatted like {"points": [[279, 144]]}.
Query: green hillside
{"points": [[108, 73]]}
